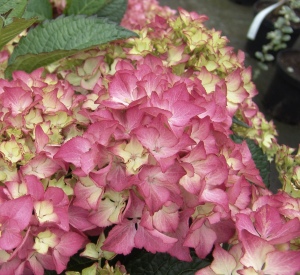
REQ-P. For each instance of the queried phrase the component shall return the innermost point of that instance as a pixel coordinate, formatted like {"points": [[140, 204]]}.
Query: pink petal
{"points": [[40, 166], [183, 111], [41, 139], [51, 103], [56, 195], [123, 90], [244, 222], [148, 137], [178, 250], [100, 217], [153, 240], [124, 65], [239, 193], [166, 219], [121, 238], [87, 196], [192, 184], [123, 85], [36, 266], [117, 177], [177, 93], [10, 236], [78, 218], [19, 210], [157, 188], [34, 187], [162, 142], [72, 150], [224, 229], [130, 120], [256, 250], [16, 99], [282, 262], [89, 159], [223, 262], [213, 169], [201, 237], [197, 153], [10, 267], [60, 261], [206, 271], [156, 195], [95, 132], [99, 177], [46, 260], [70, 243], [271, 226], [267, 221], [215, 195], [152, 82]]}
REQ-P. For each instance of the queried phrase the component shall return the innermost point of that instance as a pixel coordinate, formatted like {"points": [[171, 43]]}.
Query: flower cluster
{"points": [[288, 166], [34, 111], [135, 137], [268, 237]]}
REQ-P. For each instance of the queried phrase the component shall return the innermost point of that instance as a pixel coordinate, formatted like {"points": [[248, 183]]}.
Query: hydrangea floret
{"points": [[129, 146]]}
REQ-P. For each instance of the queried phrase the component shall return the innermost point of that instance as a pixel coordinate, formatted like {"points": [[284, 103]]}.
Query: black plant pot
{"points": [[267, 25], [282, 99], [245, 2]]}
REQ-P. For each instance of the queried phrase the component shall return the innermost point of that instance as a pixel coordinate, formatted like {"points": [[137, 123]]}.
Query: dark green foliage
{"points": [[114, 10], [111, 9], [260, 159], [65, 36], [239, 122], [78, 263], [86, 7], [42, 9], [10, 31], [141, 262], [13, 8]]}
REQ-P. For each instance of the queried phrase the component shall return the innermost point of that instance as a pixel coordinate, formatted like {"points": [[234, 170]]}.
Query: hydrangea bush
{"points": [[142, 146]]}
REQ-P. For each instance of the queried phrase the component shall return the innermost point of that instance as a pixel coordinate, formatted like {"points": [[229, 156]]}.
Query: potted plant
{"points": [[282, 97], [275, 27], [136, 147]]}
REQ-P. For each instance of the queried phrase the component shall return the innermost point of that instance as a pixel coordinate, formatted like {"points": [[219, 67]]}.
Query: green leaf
{"points": [[10, 31], [259, 158], [286, 37], [288, 29], [269, 57], [42, 9], [17, 7], [261, 161], [114, 10], [259, 56], [50, 272], [87, 7], [78, 263], [239, 122], [62, 37], [141, 262]]}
